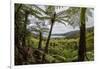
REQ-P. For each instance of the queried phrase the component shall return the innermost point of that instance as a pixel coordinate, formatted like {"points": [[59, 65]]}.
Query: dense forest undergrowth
{"points": [[60, 49]]}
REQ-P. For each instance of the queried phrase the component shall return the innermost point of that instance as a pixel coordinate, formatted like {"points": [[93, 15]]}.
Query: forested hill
{"points": [[73, 34]]}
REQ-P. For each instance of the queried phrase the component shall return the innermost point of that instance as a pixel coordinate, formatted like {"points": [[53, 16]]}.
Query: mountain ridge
{"points": [[72, 33]]}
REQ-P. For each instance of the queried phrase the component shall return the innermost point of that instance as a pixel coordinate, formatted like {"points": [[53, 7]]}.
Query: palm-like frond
{"points": [[68, 12], [62, 22], [70, 15], [50, 10], [74, 15], [35, 7]]}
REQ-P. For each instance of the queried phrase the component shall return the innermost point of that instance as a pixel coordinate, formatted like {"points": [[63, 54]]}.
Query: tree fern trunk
{"points": [[24, 29], [24, 37], [18, 51], [47, 44], [82, 41], [40, 41]]}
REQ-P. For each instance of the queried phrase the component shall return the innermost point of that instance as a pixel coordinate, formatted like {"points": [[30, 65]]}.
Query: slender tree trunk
{"points": [[47, 43], [18, 51], [24, 29], [24, 37], [82, 41], [40, 41], [48, 39], [17, 34], [38, 53]]}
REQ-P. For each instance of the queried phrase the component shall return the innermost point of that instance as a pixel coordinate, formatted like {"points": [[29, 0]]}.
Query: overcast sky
{"points": [[60, 28]]}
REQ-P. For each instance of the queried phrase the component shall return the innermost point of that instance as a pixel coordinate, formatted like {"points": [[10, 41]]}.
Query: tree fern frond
{"points": [[35, 7], [62, 22], [63, 16], [44, 17], [50, 10]]}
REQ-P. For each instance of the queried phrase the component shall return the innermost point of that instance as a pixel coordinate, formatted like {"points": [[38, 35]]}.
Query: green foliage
{"points": [[66, 50], [90, 55], [59, 49]]}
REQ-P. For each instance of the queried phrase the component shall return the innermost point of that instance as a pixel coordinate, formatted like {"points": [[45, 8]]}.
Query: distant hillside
{"points": [[73, 34]]}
